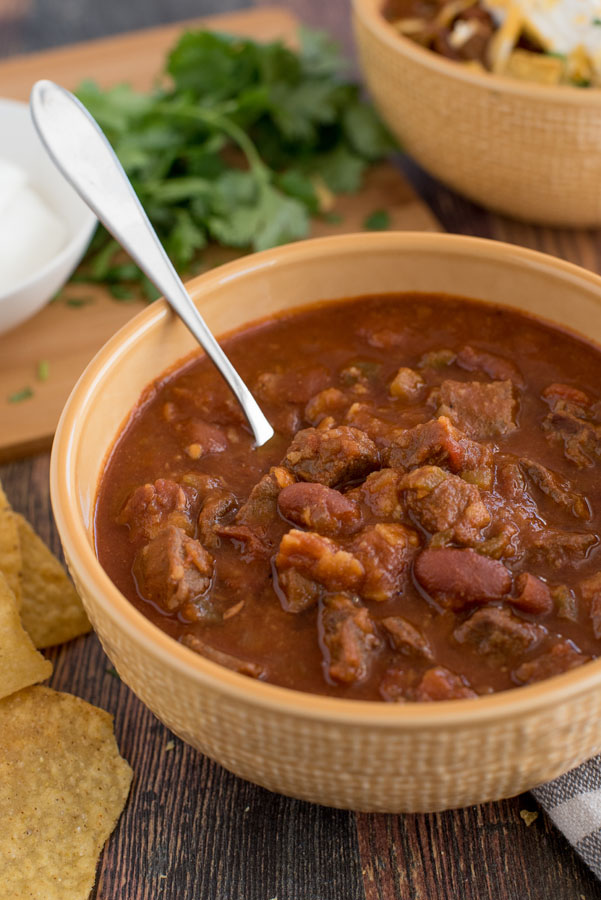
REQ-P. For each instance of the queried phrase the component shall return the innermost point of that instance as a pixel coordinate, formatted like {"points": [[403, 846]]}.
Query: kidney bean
{"points": [[459, 578]]}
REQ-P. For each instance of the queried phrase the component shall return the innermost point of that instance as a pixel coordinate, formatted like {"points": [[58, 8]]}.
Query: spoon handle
{"points": [[81, 151]]}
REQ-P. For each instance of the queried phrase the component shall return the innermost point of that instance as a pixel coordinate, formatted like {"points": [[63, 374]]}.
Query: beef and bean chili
{"points": [[425, 525]]}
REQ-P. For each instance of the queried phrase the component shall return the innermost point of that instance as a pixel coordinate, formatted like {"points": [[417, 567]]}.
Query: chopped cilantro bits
{"points": [[378, 220], [43, 370], [19, 396], [77, 302]]}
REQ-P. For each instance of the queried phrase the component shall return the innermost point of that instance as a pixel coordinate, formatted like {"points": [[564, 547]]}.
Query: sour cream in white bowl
{"points": [[45, 227]]}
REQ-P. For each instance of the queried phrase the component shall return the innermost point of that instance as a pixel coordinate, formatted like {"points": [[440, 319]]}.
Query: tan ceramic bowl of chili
{"points": [[346, 753], [523, 149]]}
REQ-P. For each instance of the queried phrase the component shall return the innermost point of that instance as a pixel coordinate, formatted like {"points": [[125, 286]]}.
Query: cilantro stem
{"points": [[229, 127]]}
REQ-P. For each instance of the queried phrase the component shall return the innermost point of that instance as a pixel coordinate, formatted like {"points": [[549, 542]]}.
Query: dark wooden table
{"points": [[191, 830]]}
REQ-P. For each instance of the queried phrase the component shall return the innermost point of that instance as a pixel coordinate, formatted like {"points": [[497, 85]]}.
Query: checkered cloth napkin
{"points": [[573, 802]]}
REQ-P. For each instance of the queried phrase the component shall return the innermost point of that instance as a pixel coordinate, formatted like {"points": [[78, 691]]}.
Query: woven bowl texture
{"points": [[351, 754], [526, 150]]}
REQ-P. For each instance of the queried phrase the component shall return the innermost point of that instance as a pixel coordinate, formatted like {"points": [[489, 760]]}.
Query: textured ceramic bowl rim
{"points": [[370, 13], [82, 234], [516, 703]]}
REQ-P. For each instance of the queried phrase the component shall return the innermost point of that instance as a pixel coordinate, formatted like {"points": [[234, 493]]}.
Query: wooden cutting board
{"points": [[68, 332]]}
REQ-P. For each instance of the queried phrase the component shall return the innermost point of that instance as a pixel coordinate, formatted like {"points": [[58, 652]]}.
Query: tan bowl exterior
{"points": [[359, 755], [527, 150]]}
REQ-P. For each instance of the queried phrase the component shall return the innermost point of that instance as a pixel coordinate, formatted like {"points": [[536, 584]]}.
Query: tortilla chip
{"points": [[20, 663], [63, 786], [10, 547], [51, 612]]}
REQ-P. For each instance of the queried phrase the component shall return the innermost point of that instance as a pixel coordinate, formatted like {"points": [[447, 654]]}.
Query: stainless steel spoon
{"points": [[80, 150]]}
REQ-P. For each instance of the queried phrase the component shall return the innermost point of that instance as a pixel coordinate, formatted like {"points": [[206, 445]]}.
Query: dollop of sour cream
{"points": [[561, 26], [31, 234]]}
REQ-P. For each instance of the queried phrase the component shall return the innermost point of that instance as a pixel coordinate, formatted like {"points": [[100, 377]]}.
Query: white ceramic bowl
{"points": [[20, 145]]}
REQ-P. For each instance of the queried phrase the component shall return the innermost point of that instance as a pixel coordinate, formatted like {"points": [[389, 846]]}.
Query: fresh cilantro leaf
{"points": [[341, 169], [299, 185], [319, 53], [297, 111], [365, 132], [216, 66], [378, 220], [185, 238], [236, 228], [281, 219]]}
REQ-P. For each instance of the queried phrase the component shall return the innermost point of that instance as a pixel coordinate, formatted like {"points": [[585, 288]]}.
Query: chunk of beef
{"points": [[436, 443], [564, 398], [348, 639], [380, 493], [558, 489], [261, 506], [496, 367], [253, 520], [481, 410], [199, 438], [235, 663], [331, 402], [562, 657], [512, 507], [385, 552], [590, 590], [306, 563], [572, 421], [439, 683], [173, 570], [331, 457], [217, 506], [558, 548], [459, 578], [532, 595], [512, 483], [498, 635], [406, 638], [441, 502], [361, 416], [298, 591], [319, 508], [153, 506], [581, 439], [406, 384]]}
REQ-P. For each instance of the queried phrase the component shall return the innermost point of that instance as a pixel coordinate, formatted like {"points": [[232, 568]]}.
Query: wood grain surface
{"points": [[192, 831], [68, 336]]}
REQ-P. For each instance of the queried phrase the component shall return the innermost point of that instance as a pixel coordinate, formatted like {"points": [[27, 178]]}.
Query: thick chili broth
{"points": [[358, 346]]}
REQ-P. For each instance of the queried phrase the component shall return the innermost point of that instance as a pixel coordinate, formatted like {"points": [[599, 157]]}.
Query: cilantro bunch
{"points": [[241, 144]]}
